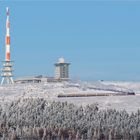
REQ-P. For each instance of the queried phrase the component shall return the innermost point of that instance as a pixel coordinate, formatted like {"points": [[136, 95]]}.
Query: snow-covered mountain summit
{"points": [[51, 91]]}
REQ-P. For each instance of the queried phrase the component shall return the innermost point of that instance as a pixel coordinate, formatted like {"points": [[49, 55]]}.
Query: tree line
{"points": [[39, 119]]}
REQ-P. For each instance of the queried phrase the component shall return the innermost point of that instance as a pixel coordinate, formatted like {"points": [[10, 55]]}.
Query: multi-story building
{"points": [[62, 69]]}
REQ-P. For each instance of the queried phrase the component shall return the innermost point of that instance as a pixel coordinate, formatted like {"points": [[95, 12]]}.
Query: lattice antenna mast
{"points": [[7, 76], [7, 38]]}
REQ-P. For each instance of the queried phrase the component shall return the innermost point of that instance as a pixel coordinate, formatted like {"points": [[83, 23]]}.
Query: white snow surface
{"points": [[50, 91]]}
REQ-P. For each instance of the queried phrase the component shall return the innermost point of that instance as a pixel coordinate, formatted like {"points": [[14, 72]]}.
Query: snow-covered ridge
{"points": [[50, 91]]}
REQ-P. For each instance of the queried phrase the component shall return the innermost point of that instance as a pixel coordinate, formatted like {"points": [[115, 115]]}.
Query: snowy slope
{"points": [[135, 86], [50, 91]]}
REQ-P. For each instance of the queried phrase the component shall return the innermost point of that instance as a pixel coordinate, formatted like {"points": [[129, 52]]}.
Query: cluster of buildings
{"points": [[61, 67], [61, 74]]}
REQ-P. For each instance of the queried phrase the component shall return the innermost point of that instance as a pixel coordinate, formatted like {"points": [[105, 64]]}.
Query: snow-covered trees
{"points": [[38, 119]]}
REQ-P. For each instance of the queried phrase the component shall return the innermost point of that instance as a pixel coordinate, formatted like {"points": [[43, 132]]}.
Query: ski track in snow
{"points": [[50, 91]]}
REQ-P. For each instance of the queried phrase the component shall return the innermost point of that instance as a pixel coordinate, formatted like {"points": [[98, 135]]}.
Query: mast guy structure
{"points": [[7, 76]]}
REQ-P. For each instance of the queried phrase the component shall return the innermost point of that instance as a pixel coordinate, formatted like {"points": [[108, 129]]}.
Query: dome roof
{"points": [[61, 60]]}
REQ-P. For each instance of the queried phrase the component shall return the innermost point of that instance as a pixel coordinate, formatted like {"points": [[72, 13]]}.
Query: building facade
{"points": [[62, 69]]}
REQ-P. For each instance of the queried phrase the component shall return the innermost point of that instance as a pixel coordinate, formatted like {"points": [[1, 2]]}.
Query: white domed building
{"points": [[62, 69]]}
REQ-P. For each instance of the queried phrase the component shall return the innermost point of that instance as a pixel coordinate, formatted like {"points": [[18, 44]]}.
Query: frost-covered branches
{"points": [[38, 119]]}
